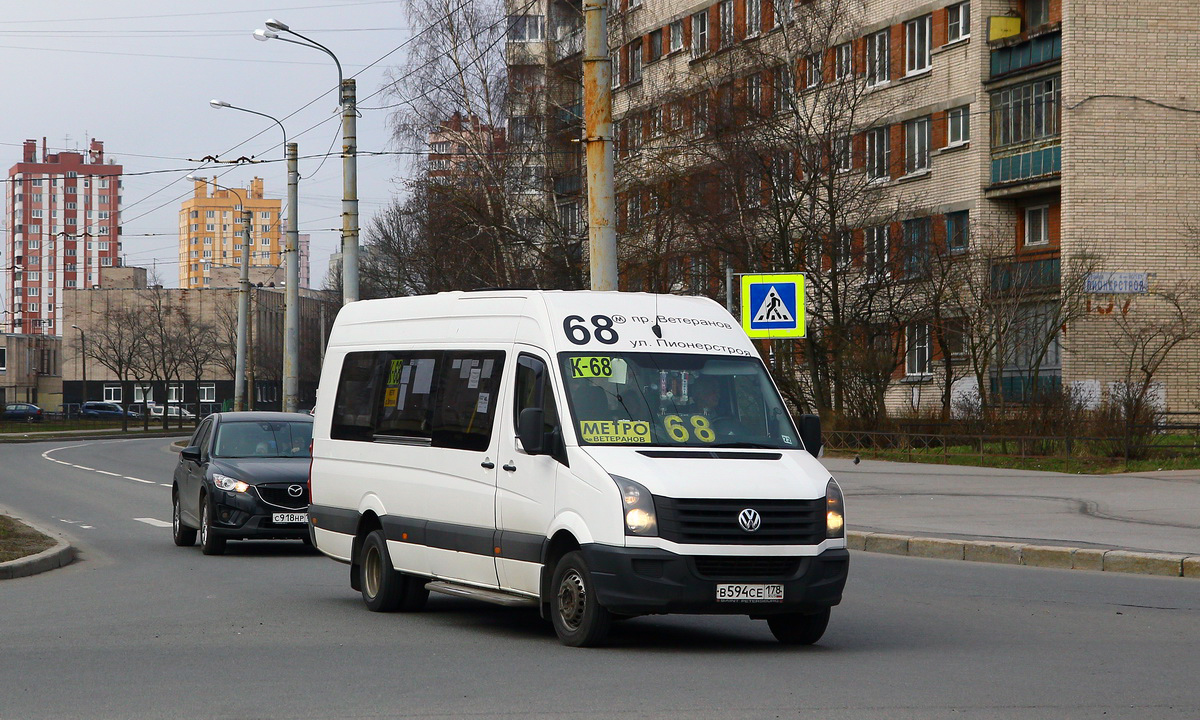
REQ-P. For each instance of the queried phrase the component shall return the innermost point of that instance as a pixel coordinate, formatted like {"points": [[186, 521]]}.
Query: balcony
{"points": [[568, 185], [1042, 163], [1031, 53], [568, 44], [568, 117], [1026, 276]]}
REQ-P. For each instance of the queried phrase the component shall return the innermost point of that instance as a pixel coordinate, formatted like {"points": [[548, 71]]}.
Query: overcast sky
{"points": [[138, 75]]}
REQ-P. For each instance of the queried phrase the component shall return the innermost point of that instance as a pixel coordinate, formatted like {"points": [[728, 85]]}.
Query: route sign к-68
{"points": [[773, 305]]}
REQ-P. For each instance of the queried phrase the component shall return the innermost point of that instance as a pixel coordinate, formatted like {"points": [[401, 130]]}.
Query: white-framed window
{"points": [[754, 94], [813, 70], [635, 60], [917, 349], [958, 231], [143, 394], [700, 33], [783, 175], [210, 213], [1037, 13], [267, 392], [958, 22], [753, 18], [175, 393], [3, 358], [33, 244], [842, 247], [958, 125], [265, 240], [112, 393], [917, 43], [916, 145], [614, 59], [106, 262], [725, 13], [34, 276], [840, 154], [264, 215], [785, 89], [264, 228], [210, 227], [33, 291], [208, 253], [32, 307], [844, 66], [525, 28], [635, 4], [1037, 225], [676, 36], [208, 241], [208, 393], [878, 156]]}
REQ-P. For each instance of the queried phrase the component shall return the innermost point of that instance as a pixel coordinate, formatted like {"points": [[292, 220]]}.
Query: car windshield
{"points": [[674, 400], [263, 439]]}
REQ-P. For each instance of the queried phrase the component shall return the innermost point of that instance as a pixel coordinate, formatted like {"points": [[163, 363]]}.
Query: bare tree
{"points": [[115, 343], [200, 347]]}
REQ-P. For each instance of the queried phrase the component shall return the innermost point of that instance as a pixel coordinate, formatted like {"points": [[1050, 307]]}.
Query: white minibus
{"points": [[595, 455]]}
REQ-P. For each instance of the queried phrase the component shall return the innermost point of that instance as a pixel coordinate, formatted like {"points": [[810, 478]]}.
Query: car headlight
{"points": [[231, 484], [637, 507], [835, 519]]}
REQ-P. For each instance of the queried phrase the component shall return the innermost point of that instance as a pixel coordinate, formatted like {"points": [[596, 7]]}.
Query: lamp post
{"points": [[291, 296], [349, 155], [83, 352], [239, 371]]}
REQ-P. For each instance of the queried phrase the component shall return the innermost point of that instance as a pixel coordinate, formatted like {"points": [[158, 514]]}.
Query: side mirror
{"points": [[531, 430], [192, 452], [810, 434]]}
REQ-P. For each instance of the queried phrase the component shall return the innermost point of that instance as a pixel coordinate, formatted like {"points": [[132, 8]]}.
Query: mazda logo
{"points": [[749, 519], [296, 490]]}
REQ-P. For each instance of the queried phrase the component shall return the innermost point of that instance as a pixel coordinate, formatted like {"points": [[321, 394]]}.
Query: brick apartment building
{"points": [[63, 213], [211, 231], [1048, 137]]}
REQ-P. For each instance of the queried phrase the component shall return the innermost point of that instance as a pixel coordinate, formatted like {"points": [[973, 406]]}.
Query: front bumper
{"points": [[242, 516], [643, 581]]}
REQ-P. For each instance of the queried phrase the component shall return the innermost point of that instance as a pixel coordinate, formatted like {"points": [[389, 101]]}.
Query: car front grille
{"points": [[724, 567], [277, 494], [715, 522]]}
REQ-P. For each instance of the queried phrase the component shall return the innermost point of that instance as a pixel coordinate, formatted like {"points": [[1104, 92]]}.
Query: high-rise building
{"points": [[211, 232], [64, 222], [305, 242]]}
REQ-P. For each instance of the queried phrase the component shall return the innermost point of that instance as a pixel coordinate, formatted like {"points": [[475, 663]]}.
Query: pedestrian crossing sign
{"points": [[773, 305]]}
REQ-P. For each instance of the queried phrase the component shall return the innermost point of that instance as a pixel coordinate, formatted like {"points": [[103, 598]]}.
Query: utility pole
{"points": [[349, 193], [239, 373], [597, 113], [291, 313]]}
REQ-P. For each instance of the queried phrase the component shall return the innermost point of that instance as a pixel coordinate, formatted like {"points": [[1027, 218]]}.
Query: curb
{"points": [[1049, 556], [61, 555], [17, 438]]}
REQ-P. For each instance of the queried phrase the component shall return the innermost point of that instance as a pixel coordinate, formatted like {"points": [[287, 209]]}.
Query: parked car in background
{"points": [[95, 409], [22, 411], [173, 411], [243, 475]]}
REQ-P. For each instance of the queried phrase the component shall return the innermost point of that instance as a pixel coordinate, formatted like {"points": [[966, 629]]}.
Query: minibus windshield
{"points": [[675, 400]]}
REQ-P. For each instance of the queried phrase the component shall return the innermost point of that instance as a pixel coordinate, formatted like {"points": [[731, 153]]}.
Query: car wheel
{"points": [[382, 586], [210, 542], [578, 618], [184, 535], [799, 628]]}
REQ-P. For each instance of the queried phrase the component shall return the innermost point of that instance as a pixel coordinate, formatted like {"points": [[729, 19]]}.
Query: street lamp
{"points": [[291, 296], [349, 156], [239, 371], [83, 351]]}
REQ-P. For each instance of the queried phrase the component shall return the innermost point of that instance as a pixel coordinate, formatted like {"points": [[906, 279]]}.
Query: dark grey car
{"points": [[243, 476]]}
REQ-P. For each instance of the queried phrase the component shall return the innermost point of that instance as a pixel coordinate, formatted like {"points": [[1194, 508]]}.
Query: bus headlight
{"points": [[835, 519], [637, 507]]}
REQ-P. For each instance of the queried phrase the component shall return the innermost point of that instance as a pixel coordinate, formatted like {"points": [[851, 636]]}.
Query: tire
{"points": [[799, 628], [184, 536], [210, 542], [579, 619], [382, 587]]}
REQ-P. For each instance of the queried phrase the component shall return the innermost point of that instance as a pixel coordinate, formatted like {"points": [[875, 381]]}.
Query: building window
{"points": [[958, 122], [700, 33], [1025, 112], [208, 393], [1037, 13], [615, 60], [958, 232], [143, 394], [784, 89], [112, 393], [210, 213], [725, 10], [958, 19], [525, 28], [175, 393], [783, 175], [842, 247], [813, 70], [840, 154], [3, 358], [915, 249], [917, 41], [878, 158], [264, 215], [753, 18], [635, 61], [676, 36], [1037, 225], [656, 43], [917, 345], [754, 94], [844, 67], [916, 145]]}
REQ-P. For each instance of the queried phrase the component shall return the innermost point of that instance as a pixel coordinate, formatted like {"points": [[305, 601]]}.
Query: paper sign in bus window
{"points": [[615, 431]]}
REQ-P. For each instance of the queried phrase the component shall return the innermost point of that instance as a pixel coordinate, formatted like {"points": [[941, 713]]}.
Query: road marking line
{"points": [[154, 521], [165, 484], [130, 477], [105, 472]]}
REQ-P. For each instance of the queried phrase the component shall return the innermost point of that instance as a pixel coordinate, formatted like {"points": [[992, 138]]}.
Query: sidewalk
{"points": [[1139, 522]]}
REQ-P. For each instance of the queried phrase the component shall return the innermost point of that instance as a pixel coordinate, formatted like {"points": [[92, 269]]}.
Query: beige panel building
{"points": [[211, 231]]}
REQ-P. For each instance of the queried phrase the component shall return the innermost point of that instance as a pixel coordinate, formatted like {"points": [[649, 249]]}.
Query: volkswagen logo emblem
{"points": [[298, 490], [750, 520]]}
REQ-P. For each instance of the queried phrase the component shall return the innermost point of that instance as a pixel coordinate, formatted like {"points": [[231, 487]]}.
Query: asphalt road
{"points": [[139, 628]]}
